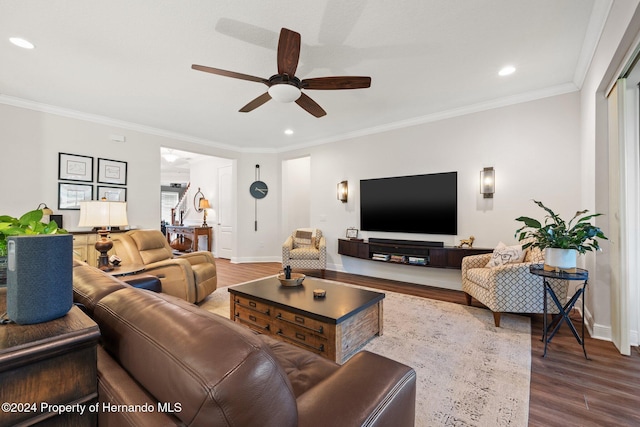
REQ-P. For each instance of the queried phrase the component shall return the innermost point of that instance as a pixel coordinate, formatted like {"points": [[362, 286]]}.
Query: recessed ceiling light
{"points": [[21, 42], [507, 70], [288, 132]]}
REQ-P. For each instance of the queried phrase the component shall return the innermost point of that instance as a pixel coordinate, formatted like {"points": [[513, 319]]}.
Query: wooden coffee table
{"points": [[335, 326]]}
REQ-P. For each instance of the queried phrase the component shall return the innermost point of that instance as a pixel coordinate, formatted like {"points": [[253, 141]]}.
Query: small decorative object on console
{"points": [[319, 293], [115, 260], [468, 242], [352, 233], [295, 280]]}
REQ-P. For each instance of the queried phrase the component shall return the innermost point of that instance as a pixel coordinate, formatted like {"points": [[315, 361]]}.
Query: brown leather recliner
{"points": [[190, 277], [192, 367]]}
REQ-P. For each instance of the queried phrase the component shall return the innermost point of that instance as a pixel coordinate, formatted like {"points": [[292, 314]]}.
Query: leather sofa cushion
{"points": [[90, 285], [229, 378], [116, 387], [304, 368]]}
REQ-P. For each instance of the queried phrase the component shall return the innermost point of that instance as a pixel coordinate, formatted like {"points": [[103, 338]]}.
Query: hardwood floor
{"points": [[566, 389]]}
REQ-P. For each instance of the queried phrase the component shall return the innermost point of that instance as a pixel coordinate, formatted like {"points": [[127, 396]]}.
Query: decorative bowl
{"points": [[296, 279]]}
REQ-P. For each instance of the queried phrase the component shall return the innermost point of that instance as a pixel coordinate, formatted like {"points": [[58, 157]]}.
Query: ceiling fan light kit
{"points": [[284, 92], [285, 86]]}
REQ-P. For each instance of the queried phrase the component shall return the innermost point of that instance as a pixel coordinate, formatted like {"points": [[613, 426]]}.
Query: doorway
{"points": [[187, 174]]}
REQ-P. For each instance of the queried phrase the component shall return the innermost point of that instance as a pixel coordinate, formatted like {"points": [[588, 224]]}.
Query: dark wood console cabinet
{"points": [[433, 256]]}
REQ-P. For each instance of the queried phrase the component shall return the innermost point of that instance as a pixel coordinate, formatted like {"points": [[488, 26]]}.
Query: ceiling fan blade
{"points": [[232, 74], [334, 83], [288, 52], [310, 105], [256, 103]]}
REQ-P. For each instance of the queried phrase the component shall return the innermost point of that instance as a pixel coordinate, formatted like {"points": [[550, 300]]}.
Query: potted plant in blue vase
{"points": [[29, 223], [560, 240]]}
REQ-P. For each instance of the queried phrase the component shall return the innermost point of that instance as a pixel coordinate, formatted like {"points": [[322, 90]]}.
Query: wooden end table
{"points": [[49, 363]]}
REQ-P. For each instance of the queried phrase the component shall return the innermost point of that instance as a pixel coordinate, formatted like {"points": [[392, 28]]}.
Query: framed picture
{"points": [[70, 195], [112, 172], [73, 167], [352, 233], [112, 194]]}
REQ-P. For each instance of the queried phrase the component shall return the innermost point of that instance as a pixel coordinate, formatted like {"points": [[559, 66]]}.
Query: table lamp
{"points": [[203, 204], [103, 214]]}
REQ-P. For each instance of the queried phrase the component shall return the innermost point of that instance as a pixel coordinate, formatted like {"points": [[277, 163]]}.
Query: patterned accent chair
{"points": [[305, 249], [509, 288]]}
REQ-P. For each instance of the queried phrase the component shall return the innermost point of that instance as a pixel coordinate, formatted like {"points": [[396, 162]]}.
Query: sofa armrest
{"points": [[474, 261], [199, 257], [176, 276], [287, 247], [368, 390]]}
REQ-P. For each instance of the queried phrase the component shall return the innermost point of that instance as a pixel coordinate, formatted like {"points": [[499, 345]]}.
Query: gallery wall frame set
{"points": [[79, 170]]}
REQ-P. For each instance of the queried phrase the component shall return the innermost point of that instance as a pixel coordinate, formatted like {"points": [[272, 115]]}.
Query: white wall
{"points": [[296, 185], [31, 140], [534, 148]]}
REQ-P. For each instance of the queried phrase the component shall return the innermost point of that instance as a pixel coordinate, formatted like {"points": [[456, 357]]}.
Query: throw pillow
{"points": [[504, 254], [304, 238]]}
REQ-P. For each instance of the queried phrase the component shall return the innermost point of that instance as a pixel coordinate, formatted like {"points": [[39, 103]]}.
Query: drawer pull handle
{"points": [[252, 304], [252, 307], [320, 330], [320, 348], [241, 320]]}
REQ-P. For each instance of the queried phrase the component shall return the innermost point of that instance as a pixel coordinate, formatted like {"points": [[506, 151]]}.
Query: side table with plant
{"points": [[29, 223], [560, 240]]}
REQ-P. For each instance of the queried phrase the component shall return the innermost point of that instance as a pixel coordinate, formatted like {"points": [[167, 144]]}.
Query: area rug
{"points": [[469, 373]]}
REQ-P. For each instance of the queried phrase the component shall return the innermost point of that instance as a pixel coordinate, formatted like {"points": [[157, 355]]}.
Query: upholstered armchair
{"points": [[305, 249], [191, 276], [509, 288]]}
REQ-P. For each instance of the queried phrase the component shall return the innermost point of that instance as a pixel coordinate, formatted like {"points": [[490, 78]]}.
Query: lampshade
{"points": [[45, 209], [284, 92], [204, 204], [103, 214], [487, 182]]}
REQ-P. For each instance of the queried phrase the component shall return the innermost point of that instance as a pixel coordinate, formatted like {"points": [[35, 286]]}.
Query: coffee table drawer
{"points": [[301, 337], [240, 301], [301, 322], [251, 318]]}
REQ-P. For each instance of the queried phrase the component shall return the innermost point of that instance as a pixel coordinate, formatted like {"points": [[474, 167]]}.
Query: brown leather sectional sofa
{"points": [[188, 366]]}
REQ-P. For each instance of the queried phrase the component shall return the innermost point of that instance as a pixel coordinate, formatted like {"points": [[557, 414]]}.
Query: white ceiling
{"points": [[130, 61]]}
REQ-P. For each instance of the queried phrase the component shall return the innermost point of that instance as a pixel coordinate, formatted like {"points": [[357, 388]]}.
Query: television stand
{"points": [[408, 252]]}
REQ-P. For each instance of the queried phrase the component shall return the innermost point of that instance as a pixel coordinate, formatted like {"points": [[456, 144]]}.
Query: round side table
{"points": [[563, 315]]}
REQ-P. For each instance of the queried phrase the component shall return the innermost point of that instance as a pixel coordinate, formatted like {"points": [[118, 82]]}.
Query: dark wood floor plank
{"points": [[566, 390]]}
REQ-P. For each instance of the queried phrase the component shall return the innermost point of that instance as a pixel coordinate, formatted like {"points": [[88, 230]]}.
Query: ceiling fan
{"points": [[285, 86]]}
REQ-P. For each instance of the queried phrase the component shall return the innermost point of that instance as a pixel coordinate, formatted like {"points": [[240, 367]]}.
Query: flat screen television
{"points": [[426, 204]]}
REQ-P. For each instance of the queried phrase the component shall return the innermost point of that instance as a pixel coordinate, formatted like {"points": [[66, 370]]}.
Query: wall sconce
{"points": [[343, 191], [487, 182]]}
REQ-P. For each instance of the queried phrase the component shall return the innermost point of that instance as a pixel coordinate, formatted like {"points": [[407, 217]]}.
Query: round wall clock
{"points": [[258, 189]]}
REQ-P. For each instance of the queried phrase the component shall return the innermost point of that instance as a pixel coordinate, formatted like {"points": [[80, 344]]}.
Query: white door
{"points": [[225, 214]]}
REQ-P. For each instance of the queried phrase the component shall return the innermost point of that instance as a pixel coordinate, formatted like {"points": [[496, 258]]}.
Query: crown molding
{"points": [[456, 112]]}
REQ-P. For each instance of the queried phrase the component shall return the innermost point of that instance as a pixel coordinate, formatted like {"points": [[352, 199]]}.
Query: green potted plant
{"points": [[29, 223], [560, 240]]}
